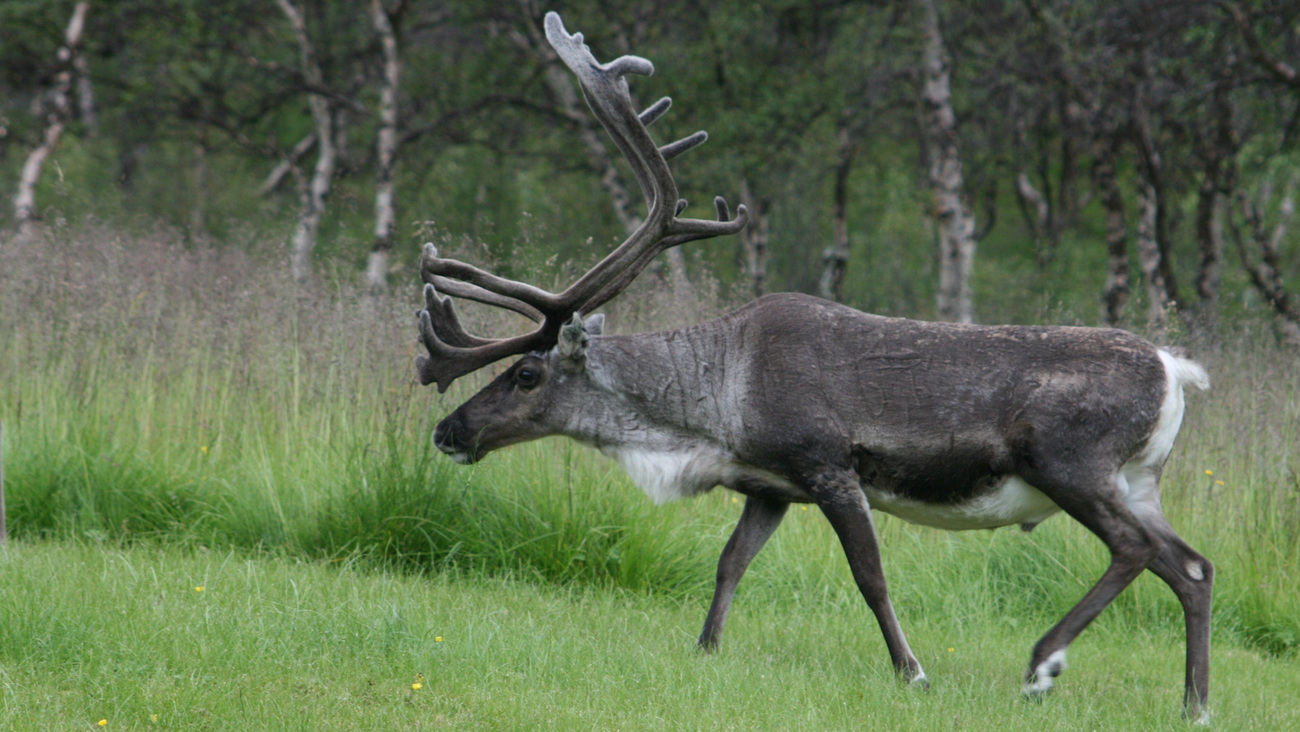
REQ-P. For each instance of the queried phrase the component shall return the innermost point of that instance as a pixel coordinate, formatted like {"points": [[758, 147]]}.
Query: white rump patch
{"points": [[1012, 502], [1138, 477]]}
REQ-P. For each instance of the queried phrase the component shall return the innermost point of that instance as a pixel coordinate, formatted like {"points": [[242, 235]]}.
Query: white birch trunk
{"points": [[1038, 215], [1116, 292], [956, 227], [313, 194], [754, 238], [56, 121], [1149, 255], [386, 150]]}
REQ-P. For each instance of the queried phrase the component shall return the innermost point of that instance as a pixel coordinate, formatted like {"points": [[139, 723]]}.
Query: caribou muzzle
{"points": [[449, 437]]}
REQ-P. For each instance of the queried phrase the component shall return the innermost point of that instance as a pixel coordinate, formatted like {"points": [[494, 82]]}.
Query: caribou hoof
{"points": [[1043, 676]]}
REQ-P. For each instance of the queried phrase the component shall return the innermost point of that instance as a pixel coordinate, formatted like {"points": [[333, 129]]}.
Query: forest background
{"points": [[1114, 162]]}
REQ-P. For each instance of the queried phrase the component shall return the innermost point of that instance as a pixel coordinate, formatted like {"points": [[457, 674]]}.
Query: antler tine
{"points": [[725, 224], [444, 322], [454, 352], [655, 111], [674, 149], [465, 290], [445, 363], [485, 287]]}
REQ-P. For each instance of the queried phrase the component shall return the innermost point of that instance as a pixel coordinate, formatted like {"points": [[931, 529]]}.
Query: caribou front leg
{"points": [[841, 499], [758, 520]]}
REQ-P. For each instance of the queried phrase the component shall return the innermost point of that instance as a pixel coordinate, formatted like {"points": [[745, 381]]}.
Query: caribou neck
{"points": [[666, 390]]}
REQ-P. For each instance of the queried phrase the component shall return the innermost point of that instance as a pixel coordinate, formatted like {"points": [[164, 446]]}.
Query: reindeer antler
{"points": [[453, 352]]}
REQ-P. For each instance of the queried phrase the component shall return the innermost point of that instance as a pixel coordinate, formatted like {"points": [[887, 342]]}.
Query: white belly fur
{"points": [[1012, 502]]}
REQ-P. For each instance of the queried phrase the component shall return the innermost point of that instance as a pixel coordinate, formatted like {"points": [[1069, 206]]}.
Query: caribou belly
{"points": [[1012, 501]]}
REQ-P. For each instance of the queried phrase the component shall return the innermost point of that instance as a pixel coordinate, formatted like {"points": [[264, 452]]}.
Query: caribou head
{"points": [[793, 399]]}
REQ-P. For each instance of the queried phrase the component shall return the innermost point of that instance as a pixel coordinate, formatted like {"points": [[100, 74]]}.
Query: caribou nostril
{"points": [[444, 435]]}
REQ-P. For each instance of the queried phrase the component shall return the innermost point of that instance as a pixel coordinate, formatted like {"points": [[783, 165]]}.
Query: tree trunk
{"points": [[754, 238], [56, 120], [85, 95], [1266, 272], [1118, 280], [313, 192], [386, 150], [1038, 213], [1219, 176], [1209, 247], [1035, 207], [1149, 255], [1154, 204], [835, 259], [956, 227]]}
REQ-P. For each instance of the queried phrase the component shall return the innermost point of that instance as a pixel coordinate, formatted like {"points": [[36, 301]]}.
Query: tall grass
{"points": [[156, 393]]}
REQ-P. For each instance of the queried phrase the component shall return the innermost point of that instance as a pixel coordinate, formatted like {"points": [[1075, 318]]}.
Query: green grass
{"points": [[177, 418], [89, 633]]}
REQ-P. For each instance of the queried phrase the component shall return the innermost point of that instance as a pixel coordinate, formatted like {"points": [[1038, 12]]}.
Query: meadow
{"points": [[181, 418]]}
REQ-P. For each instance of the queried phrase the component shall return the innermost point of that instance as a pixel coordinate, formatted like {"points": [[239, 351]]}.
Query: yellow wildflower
{"points": [[1218, 482], [204, 449], [103, 723], [1209, 472], [417, 686], [437, 639], [199, 588]]}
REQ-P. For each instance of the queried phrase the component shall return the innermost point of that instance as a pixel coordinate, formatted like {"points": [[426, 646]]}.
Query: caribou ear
{"points": [[572, 345], [595, 324]]}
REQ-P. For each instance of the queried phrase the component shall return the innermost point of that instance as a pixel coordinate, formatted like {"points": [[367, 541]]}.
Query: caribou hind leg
{"points": [[1099, 505], [1191, 577], [760, 517]]}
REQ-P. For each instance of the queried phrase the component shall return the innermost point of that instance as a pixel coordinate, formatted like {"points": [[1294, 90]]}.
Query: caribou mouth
{"points": [[460, 457]]}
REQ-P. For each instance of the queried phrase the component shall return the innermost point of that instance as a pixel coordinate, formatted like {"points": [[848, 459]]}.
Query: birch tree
{"points": [[1258, 249], [755, 236], [835, 260], [385, 144], [311, 192], [956, 226], [57, 115]]}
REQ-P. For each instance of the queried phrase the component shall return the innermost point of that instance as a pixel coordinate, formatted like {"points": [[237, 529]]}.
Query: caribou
{"points": [[794, 399]]}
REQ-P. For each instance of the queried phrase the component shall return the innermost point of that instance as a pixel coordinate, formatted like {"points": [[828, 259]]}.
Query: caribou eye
{"points": [[527, 378]]}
